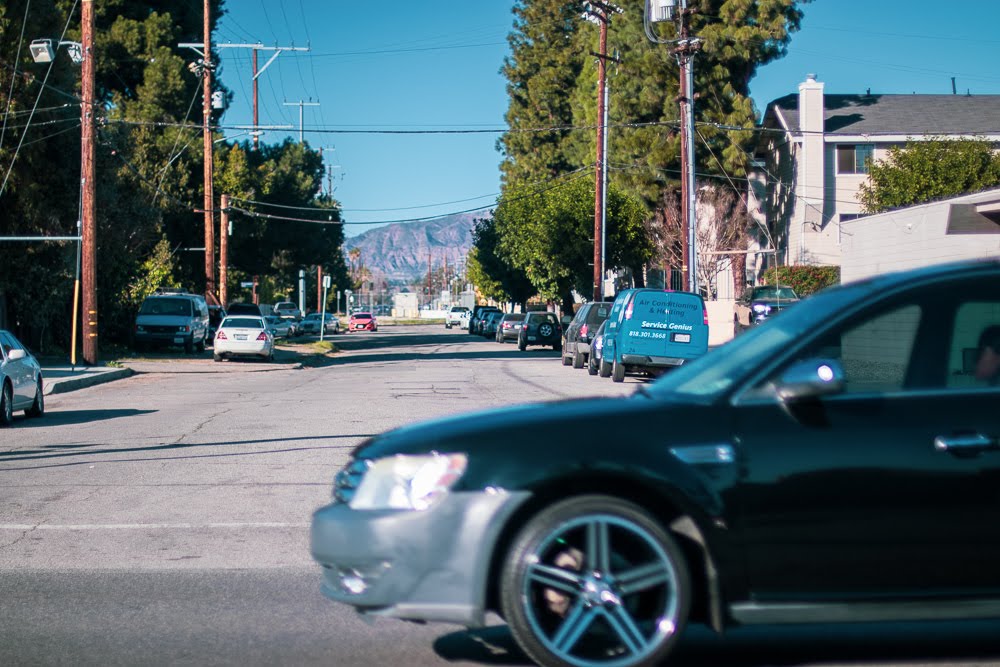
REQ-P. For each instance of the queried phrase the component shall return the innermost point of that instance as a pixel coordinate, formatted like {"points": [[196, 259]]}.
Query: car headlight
{"points": [[408, 482], [761, 308]]}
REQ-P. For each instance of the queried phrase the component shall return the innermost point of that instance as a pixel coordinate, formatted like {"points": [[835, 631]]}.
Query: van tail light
{"points": [[628, 311], [704, 315], [583, 331], [262, 335], [220, 335]]}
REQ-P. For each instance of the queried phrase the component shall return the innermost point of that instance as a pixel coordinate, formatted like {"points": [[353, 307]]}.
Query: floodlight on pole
{"points": [[43, 51], [663, 10]]}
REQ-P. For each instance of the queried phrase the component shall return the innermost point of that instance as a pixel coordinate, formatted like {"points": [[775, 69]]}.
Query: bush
{"points": [[804, 279]]}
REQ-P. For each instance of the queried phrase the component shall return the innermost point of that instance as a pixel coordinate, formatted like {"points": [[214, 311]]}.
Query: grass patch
{"points": [[323, 347]]}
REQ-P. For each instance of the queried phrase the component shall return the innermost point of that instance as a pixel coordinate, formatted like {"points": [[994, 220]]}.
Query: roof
{"points": [[900, 114]]}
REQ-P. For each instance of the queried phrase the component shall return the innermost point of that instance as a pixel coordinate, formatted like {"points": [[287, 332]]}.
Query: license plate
{"points": [[682, 338], [178, 341], [239, 337], [359, 326], [532, 338]]}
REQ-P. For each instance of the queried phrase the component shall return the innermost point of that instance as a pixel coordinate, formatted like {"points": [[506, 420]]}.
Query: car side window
{"points": [[876, 352], [5, 345], [974, 353]]}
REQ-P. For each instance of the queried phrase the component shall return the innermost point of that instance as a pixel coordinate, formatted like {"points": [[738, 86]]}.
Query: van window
{"points": [[166, 306]]}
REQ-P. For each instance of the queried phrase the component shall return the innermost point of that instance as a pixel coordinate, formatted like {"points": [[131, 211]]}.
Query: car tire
{"points": [[545, 330], [617, 372], [591, 367], [605, 369], [566, 361], [522, 345], [217, 357], [37, 408], [551, 586], [557, 348], [6, 405], [189, 347], [578, 360], [201, 345]]}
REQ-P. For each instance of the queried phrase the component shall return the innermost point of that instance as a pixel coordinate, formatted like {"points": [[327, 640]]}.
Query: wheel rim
{"points": [[616, 607], [545, 330]]}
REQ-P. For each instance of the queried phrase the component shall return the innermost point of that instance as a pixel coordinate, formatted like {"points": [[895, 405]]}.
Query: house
{"points": [[964, 227], [813, 153]]}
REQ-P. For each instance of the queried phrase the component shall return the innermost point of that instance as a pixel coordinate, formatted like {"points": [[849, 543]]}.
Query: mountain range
{"points": [[402, 251]]}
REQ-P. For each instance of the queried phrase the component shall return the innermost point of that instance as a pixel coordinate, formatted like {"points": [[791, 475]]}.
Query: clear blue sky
{"points": [[433, 65]]}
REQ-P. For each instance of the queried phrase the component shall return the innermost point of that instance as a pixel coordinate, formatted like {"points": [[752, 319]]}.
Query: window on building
{"points": [[844, 217], [854, 158]]}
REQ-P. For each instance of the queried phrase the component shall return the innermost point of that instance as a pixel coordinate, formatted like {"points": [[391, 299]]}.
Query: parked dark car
{"points": [[239, 308], [761, 302], [215, 316], [509, 327], [491, 321], [581, 329], [838, 464], [596, 350], [540, 328], [478, 315]]}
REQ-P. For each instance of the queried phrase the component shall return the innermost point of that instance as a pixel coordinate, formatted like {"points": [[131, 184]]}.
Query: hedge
{"points": [[804, 279]]}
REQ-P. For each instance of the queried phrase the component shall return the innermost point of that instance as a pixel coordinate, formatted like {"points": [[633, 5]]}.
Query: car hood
{"points": [[772, 303], [163, 320]]}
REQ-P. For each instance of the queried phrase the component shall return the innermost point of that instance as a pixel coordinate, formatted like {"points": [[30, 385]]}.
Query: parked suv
{"points": [[478, 315], [287, 310], [454, 316], [581, 330], [172, 318], [540, 328]]}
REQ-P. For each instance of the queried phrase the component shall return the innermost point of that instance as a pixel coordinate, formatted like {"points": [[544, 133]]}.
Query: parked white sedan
{"points": [[243, 336], [20, 380]]}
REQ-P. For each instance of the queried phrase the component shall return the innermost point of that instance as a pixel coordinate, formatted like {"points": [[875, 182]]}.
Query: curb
{"points": [[63, 385]]}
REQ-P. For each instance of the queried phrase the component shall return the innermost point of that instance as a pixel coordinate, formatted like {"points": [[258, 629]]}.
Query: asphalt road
{"points": [[162, 519]]}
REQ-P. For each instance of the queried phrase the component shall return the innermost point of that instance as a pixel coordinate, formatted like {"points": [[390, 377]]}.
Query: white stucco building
{"points": [[812, 155]]}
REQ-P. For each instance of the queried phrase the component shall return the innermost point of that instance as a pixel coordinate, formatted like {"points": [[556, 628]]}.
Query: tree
{"points": [[490, 271], [549, 235], [924, 171]]}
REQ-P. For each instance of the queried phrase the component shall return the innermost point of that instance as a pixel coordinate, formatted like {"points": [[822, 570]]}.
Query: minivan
{"points": [[172, 318], [651, 330]]}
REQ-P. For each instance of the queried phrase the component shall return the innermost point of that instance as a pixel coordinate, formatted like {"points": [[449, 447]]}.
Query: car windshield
{"points": [[362, 316], [711, 375], [166, 306], [774, 292], [241, 323]]}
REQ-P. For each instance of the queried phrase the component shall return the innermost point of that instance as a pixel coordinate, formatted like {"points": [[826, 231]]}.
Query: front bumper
{"points": [[430, 565], [164, 337]]}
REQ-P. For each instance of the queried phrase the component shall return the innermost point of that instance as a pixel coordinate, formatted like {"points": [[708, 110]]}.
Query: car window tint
{"points": [[242, 323], [5, 344], [975, 322]]}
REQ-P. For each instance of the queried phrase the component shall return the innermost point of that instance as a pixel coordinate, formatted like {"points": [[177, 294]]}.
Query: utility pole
{"points": [[599, 12], [685, 48], [301, 104], [224, 250], [207, 137], [89, 205], [319, 289]]}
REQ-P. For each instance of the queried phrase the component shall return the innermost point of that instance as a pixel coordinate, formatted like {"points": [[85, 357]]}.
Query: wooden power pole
{"points": [[88, 217], [210, 295]]}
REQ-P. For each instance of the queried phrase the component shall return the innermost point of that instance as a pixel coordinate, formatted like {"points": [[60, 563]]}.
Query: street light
{"points": [[43, 52]]}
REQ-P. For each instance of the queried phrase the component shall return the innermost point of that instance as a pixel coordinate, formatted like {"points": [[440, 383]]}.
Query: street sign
{"points": [[326, 282], [246, 285]]}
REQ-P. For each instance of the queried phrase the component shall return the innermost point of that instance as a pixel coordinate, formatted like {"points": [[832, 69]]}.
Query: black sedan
{"points": [[760, 303], [841, 463]]}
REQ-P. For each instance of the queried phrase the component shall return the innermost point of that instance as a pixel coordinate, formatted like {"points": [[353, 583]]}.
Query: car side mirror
{"points": [[14, 355], [811, 379]]}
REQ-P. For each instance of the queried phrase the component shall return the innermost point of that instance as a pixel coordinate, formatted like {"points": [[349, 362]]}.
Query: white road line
{"points": [[144, 526]]}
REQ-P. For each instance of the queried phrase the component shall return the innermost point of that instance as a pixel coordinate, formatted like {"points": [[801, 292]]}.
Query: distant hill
{"points": [[401, 251]]}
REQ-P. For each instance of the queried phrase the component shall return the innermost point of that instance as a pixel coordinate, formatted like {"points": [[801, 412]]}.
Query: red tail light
{"points": [[262, 335], [220, 335], [704, 314], [628, 310], [583, 330]]}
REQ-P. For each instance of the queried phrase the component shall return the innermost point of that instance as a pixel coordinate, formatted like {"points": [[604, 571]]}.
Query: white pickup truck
{"points": [[457, 316]]}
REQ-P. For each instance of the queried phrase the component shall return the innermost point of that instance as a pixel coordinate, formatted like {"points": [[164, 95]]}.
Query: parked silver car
{"points": [[20, 380]]}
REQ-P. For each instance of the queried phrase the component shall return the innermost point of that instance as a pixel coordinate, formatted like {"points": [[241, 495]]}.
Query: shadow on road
{"points": [[69, 417], [761, 646], [76, 450]]}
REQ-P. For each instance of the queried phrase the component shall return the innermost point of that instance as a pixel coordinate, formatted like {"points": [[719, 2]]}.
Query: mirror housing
{"points": [[811, 378], [14, 355]]}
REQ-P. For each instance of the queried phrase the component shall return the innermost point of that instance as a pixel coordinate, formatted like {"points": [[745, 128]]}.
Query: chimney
{"points": [[811, 105]]}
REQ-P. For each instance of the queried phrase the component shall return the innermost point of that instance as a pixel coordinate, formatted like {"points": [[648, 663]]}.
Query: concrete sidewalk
{"points": [[58, 379]]}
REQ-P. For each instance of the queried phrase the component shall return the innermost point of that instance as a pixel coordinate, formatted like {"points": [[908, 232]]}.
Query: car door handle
{"points": [[970, 443]]}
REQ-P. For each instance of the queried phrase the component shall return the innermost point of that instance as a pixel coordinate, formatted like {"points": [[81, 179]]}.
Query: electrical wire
{"points": [[48, 71], [163, 172], [10, 93]]}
